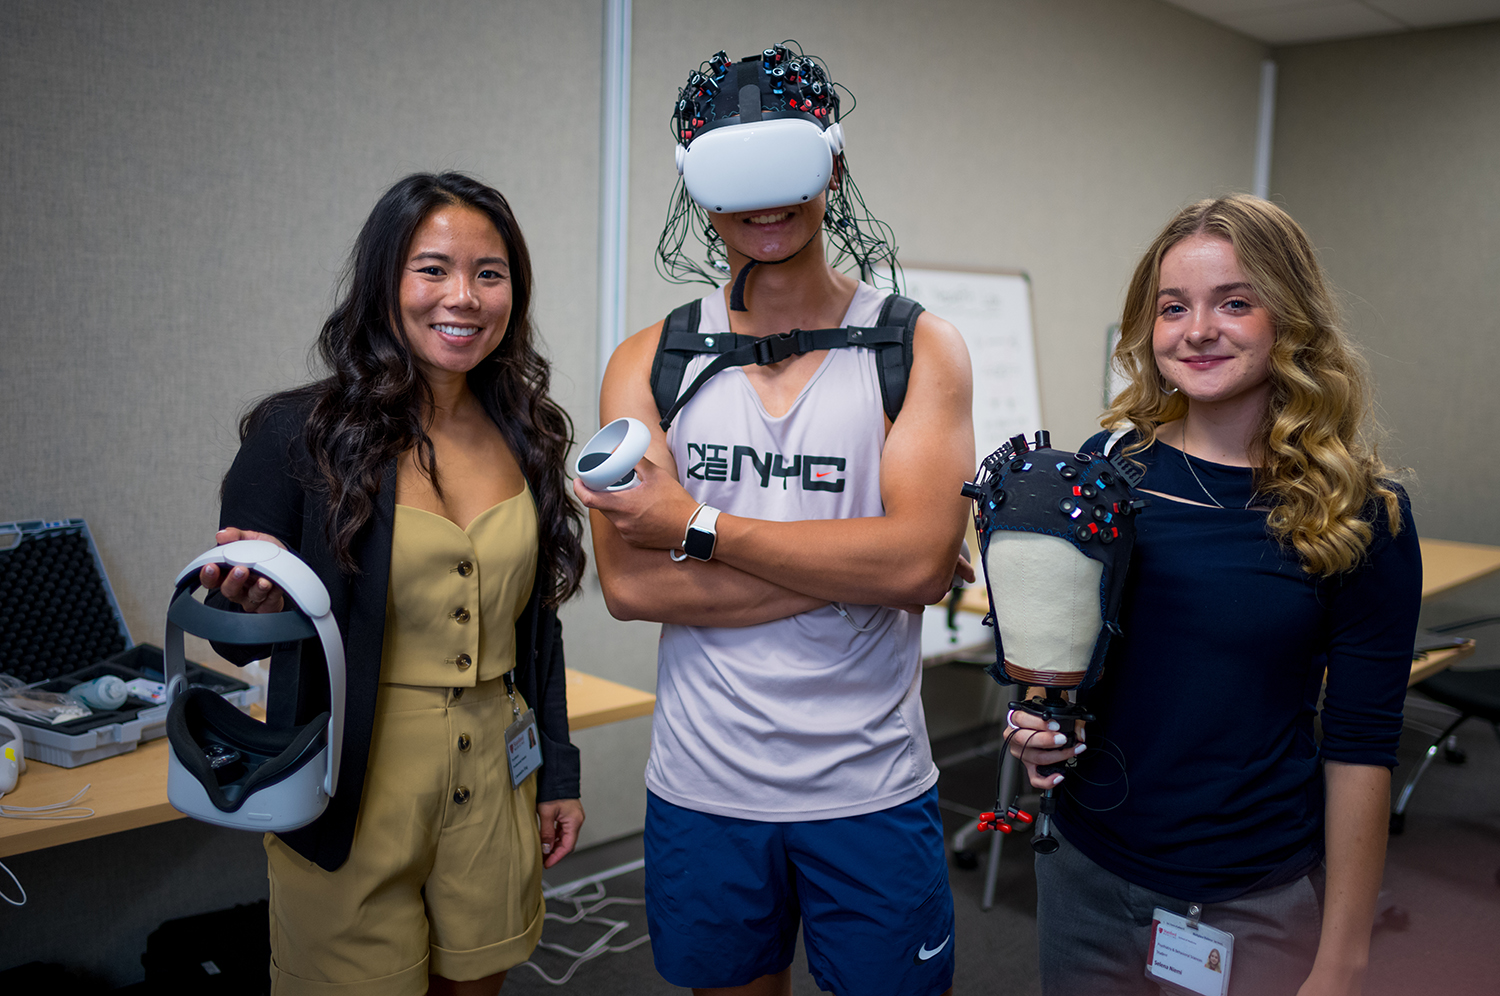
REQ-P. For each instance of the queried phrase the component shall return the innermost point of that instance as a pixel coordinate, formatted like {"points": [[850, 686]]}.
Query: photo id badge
{"points": [[1188, 956], [523, 748]]}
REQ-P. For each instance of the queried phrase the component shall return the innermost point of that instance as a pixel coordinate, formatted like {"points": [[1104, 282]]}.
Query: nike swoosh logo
{"points": [[924, 954], [824, 474]]}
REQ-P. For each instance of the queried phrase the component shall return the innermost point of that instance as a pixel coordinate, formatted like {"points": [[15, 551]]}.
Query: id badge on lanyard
{"points": [[523, 747], [1187, 956]]}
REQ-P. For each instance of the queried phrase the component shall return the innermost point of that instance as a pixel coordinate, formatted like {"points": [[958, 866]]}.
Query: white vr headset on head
{"points": [[774, 162]]}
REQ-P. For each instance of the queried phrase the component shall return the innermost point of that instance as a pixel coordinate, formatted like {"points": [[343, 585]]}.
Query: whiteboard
{"points": [[992, 310]]}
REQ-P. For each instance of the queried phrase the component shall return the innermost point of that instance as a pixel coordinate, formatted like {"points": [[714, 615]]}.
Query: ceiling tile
{"points": [[1327, 21], [1435, 13], [1219, 10]]}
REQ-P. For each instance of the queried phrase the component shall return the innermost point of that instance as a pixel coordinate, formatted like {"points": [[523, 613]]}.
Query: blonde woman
{"points": [[1275, 550]]}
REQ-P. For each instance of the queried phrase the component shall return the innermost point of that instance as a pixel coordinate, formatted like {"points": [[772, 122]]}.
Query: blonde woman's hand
{"points": [[1037, 742]]}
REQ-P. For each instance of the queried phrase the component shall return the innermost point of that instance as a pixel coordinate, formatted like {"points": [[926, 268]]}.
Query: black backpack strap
{"points": [[668, 367], [740, 350], [894, 359], [680, 341]]}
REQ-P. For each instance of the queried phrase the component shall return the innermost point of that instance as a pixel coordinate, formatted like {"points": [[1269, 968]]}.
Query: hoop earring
{"points": [[1161, 385]]}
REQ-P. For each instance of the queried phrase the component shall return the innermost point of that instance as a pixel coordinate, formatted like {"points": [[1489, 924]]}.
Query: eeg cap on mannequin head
{"points": [[1056, 530], [759, 133]]}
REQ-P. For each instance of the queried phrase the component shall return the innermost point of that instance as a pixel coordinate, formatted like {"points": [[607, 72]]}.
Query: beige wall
{"points": [[182, 181], [1388, 152]]}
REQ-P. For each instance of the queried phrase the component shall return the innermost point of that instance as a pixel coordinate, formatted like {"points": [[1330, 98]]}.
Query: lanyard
{"points": [[510, 689]]}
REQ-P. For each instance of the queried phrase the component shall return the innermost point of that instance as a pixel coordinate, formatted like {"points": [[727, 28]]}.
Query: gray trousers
{"points": [[1094, 928]]}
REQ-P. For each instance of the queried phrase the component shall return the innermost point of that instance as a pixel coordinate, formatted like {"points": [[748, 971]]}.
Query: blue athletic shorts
{"points": [[724, 897]]}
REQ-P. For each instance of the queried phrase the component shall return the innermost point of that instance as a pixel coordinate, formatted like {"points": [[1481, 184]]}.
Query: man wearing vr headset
{"points": [[793, 521]]}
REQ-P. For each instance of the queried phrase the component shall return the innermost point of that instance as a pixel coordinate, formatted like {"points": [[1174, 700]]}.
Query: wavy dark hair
{"points": [[372, 407]]}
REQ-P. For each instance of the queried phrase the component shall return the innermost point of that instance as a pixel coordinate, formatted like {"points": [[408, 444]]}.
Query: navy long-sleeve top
{"points": [[1203, 778]]}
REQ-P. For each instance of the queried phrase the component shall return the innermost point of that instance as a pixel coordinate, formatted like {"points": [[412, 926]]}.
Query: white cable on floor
{"points": [[18, 886], [584, 913]]}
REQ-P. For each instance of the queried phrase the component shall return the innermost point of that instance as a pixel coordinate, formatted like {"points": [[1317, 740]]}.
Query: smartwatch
{"points": [[699, 541]]}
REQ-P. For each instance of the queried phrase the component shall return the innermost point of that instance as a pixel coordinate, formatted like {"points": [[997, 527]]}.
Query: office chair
{"points": [[1473, 689]]}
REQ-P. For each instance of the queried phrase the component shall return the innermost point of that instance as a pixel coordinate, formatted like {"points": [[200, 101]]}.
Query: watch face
{"points": [[698, 544]]}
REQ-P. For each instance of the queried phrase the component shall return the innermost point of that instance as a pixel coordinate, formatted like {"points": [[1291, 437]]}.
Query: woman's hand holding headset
{"points": [[241, 585]]}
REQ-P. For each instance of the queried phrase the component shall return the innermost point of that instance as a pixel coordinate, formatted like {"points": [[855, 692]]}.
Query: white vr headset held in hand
{"points": [[224, 767]]}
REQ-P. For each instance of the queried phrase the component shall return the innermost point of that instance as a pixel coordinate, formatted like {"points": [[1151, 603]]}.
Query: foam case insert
{"points": [[60, 625]]}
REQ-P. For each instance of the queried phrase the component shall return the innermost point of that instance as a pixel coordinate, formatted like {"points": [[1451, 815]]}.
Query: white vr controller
{"points": [[608, 460], [765, 164], [12, 755]]}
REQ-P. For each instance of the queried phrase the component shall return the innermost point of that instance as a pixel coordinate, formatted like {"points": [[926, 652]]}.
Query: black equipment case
{"points": [[60, 626]]}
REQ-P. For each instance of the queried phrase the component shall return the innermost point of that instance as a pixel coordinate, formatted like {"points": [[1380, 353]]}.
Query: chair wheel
{"points": [[1455, 755], [1393, 918], [1398, 824], [967, 860]]}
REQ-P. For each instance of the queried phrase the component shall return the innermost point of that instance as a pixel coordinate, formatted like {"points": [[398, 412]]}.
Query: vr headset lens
{"points": [[751, 167]]}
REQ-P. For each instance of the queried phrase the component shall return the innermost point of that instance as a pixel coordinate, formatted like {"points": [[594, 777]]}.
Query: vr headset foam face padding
{"points": [[1056, 531], [224, 767]]}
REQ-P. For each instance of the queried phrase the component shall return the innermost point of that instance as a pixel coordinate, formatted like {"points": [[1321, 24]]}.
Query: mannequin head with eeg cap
{"points": [[1056, 532]]}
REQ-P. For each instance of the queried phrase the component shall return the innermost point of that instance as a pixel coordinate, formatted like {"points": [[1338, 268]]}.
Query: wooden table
{"points": [[130, 790], [1446, 564]]}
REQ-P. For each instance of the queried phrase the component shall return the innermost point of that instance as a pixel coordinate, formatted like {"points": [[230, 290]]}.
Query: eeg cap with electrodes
{"points": [[759, 133], [1056, 530], [224, 767]]}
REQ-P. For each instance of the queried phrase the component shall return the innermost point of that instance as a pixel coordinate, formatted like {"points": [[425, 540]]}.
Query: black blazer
{"points": [[266, 491]]}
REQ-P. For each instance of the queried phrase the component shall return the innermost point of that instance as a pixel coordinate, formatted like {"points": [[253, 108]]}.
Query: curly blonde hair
{"points": [[1316, 470]]}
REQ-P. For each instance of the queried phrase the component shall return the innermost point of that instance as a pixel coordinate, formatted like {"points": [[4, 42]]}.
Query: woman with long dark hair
{"points": [[423, 481], [1276, 551]]}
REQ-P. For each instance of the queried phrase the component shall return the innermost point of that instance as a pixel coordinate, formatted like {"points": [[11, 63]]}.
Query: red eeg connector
{"points": [[1001, 821], [991, 821]]}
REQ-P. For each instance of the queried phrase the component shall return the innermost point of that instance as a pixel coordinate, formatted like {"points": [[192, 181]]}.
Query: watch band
{"points": [[701, 535]]}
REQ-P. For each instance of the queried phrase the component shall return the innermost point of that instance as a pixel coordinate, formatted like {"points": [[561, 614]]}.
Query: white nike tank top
{"points": [[804, 718]]}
